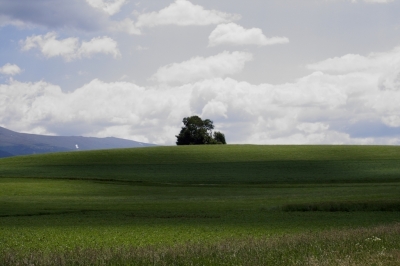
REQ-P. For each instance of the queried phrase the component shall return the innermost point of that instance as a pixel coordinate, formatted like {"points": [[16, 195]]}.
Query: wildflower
{"points": [[373, 239]]}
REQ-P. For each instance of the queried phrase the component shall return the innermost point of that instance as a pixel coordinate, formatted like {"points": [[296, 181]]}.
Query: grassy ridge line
{"points": [[211, 154], [231, 164]]}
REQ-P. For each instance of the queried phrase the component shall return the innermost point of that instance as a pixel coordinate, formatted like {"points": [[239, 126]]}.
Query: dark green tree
{"points": [[197, 131], [219, 137]]}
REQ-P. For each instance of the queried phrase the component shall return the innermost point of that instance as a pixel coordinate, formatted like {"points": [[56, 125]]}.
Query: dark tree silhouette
{"points": [[219, 137], [197, 131]]}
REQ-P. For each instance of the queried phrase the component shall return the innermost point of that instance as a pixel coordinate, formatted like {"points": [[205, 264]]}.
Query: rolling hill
{"points": [[198, 202], [217, 164], [14, 143]]}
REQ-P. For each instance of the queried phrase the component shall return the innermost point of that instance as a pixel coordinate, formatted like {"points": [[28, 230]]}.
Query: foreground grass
{"points": [[367, 246], [238, 205], [77, 222]]}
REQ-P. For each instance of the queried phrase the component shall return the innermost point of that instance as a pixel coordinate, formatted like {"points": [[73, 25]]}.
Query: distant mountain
{"points": [[5, 154], [14, 143]]}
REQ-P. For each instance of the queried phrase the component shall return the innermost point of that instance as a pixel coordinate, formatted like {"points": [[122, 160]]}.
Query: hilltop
{"points": [[219, 164]]}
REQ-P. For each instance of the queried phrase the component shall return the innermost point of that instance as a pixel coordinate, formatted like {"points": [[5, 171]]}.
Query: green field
{"points": [[203, 205]]}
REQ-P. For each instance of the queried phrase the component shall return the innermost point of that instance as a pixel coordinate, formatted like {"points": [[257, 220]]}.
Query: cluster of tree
{"points": [[197, 131]]}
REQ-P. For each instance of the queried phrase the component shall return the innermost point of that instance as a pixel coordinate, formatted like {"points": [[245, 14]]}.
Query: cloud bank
{"points": [[322, 108]]}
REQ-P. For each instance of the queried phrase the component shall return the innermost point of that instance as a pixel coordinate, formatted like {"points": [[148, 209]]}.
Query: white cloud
{"points": [[354, 62], [198, 68], [127, 25], [70, 48], [104, 45], [110, 7], [234, 34], [184, 13], [50, 46], [383, 70], [215, 108], [349, 62], [10, 69]]}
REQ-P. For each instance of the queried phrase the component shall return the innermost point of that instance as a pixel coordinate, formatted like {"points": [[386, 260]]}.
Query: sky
{"points": [[265, 72]]}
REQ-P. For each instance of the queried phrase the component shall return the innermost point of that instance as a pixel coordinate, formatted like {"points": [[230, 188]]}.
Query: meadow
{"points": [[203, 205]]}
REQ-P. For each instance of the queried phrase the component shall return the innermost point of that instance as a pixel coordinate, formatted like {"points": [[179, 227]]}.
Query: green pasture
{"points": [[165, 197], [215, 164]]}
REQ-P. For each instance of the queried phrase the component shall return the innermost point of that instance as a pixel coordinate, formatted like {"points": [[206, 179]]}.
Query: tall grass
{"points": [[365, 246]]}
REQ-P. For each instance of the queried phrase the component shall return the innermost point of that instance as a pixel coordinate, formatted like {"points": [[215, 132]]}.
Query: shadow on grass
{"points": [[378, 206]]}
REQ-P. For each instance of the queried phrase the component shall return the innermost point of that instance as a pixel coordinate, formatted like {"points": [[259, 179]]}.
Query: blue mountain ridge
{"points": [[13, 143]]}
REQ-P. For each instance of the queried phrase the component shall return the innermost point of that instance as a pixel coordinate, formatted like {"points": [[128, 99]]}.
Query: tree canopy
{"points": [[197, 131]]}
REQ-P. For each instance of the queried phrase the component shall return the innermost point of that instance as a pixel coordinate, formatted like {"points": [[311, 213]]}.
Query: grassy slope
{"points": [[169, 195], [217, 165]]}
